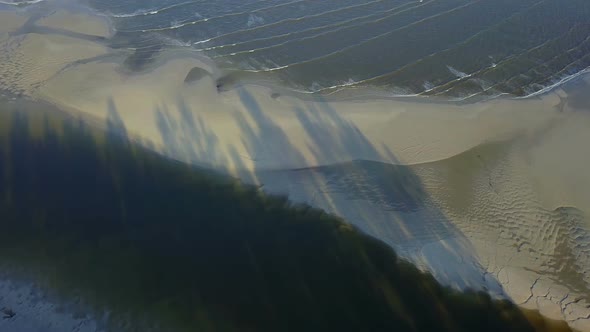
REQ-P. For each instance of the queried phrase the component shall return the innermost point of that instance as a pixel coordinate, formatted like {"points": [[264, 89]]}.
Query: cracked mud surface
{"points": [[528, 232]]}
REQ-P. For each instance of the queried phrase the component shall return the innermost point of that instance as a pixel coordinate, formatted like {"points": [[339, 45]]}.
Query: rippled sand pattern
{"points": [[491, 195], [28, 61], [539, 254]]}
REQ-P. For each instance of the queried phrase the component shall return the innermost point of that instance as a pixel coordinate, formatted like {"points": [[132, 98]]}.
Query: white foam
{"points": [[153, 11], [254, 20], [458, 73], [302, 18], [187, 23], [428, 85], [138, 12], [557, 84], [21, 3]]}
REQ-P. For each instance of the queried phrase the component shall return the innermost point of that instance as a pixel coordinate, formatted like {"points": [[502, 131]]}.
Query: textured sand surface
{"points": [[316, 132], [526, 232], [522, 232], [28, 61], [493, 195], [35, 312]]}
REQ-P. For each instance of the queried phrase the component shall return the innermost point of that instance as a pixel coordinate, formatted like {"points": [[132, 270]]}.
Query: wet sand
{"points": [[10, 21], [503, 192], [77, 22]]}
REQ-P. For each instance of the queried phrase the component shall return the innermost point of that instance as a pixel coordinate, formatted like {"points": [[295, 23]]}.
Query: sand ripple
{"points": [[490, 195]]}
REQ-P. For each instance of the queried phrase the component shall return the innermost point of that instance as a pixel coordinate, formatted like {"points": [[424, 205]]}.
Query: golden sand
{"points": [[507, 176]]}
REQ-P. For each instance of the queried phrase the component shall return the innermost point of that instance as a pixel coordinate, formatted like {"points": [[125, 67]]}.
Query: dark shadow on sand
{"points": [[167, 246]]}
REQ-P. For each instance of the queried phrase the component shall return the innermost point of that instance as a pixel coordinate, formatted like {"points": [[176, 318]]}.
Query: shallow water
{"points": [[453, 48], [418, 176]]}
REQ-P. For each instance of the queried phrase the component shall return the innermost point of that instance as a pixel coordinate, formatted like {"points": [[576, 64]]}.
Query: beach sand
{"points": [[493, 194], [29, 61], [10, 21], [77, 22], [414, 132]]}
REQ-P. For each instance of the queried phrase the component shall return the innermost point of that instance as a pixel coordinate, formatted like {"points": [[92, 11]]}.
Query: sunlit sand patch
{"points": [[505, 179], [487, 195], [248, 129], [526, 231], [29, 61], [414, 132], [561, 178]]}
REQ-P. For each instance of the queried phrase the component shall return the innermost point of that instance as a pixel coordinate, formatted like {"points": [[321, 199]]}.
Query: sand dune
{"points": [[414, 132], [483, 195]]}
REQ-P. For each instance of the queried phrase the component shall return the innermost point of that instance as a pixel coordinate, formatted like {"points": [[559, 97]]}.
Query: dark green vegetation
{"points": [[96, 215]]}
